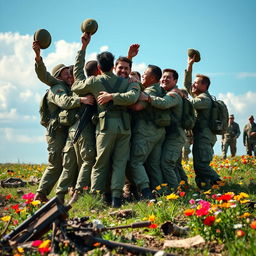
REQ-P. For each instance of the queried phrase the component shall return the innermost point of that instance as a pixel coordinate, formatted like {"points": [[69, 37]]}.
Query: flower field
{"points": [[224, 216]]}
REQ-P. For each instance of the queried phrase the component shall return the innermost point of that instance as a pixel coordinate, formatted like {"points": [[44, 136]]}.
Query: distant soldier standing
{"points": [[230, 137], [249, 137]]}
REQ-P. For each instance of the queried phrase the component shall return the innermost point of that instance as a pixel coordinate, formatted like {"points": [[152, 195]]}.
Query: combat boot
{"points": [[146, 194], [116, 202]]}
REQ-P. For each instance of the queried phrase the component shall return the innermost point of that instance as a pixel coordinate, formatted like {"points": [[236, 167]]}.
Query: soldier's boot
{"points": [[146, 194], [41, 197], [116, 202], [107, 198]]}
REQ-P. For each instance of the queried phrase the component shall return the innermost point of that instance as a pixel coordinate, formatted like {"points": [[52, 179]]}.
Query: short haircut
{"points": [[105, 61], [205, 80], [91, 68], [156, 71], [174, 73], [125, 59], [136, 73]]}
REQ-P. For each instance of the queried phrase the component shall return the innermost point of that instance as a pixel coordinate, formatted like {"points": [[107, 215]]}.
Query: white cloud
{"points": [[9, 115], [12, 136], [104, 48], [246, 74], [140, 67]]}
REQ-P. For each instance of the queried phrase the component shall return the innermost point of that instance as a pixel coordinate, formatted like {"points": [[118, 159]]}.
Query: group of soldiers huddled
{"points": [[129, 138]]}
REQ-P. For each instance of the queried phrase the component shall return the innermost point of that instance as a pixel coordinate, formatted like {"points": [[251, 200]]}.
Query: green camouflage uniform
{"points": [[204, 139], [250, 141], [146, 144], [229, 139], [174, 139], [58, 97], [112, 130]]}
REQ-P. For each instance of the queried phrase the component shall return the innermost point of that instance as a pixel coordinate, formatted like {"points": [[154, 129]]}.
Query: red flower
{"points": [[8, 197], [182, 193], [240, 233], [225, 197], [153, 225], [37, 243], [209, 220], [189, 212], [44, 250]]}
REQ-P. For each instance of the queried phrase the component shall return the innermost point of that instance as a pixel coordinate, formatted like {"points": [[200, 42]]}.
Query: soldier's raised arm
{"points": [[188, 75], [42, 74]]}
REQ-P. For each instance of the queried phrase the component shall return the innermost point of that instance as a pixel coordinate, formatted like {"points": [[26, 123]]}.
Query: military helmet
{"points": [[192, 52], [43, 37], [57, 69], [89, 26]]}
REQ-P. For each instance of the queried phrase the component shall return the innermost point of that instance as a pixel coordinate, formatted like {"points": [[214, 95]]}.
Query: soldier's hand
{"points": [[104, 97], [89, 99], [133, 51], [86, 38], [143, 96], [37, 50], [190, 62]]}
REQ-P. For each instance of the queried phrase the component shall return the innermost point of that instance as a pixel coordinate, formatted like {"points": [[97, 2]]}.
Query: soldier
{"points": [[204, 139], [113, 128], [249, 136], [230, 137], [174, 140], [58, 97]]}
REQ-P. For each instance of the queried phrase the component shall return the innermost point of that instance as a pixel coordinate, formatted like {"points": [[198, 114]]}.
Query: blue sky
{"points": [[223, 32]]}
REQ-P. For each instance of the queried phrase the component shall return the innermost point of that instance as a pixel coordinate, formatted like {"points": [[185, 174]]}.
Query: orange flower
{"points": [[253, 224], [189, 212]]}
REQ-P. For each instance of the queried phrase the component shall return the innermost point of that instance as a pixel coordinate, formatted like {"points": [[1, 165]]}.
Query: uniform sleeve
{"points": [[81, 84], [188, 82], [58, 96], [238, 132], [201, 102], [129, 97], [43, 75], [165, 102]]}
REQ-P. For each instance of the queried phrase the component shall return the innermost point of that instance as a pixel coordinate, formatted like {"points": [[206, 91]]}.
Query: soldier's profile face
{"points": [[123, 69], [167, 81], [198, 86], [147, 78]]}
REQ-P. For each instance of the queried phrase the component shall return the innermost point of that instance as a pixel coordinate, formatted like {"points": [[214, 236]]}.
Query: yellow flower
{"points": [[182, 182], [152, 218], [145, 218], [244, 195], [36, 202], [44, 244], [244, 201], [246, 214], [172, 196], [20, 249], [164, 185], [6, 218], [218, 220], [158, 187], [207, 192]]}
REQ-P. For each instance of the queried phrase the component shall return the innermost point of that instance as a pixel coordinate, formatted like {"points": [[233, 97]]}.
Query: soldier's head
{"points": [[105, 61], [123, 67], [201, 84], [136, 75], [251, 119], [151, 75], [169, 79], [62, 72], [91, 68], [231, 118]]}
